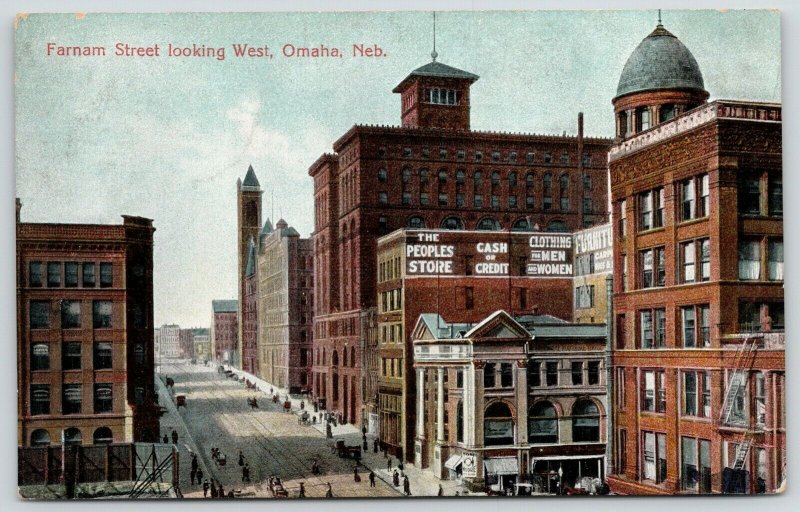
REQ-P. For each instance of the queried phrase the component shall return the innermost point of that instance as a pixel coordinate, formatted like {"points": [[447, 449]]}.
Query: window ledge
{"points": [[689, 222], [651, 230]]}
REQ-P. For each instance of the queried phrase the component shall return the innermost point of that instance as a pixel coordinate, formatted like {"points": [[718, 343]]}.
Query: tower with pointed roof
{"points": [[248, 208]]}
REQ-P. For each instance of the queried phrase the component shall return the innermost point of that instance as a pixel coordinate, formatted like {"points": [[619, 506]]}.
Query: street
{"points": [[272, 441]]}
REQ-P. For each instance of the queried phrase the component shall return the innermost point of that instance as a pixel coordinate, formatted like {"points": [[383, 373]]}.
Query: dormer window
{"points": [[438, 96]]}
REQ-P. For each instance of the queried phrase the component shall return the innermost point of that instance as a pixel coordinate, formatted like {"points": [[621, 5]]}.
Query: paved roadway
{"points": [[272, 441]]}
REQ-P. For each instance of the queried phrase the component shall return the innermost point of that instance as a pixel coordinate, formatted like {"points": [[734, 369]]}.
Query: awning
{"points": [[501, 466], [567, 457], [453, 462]]}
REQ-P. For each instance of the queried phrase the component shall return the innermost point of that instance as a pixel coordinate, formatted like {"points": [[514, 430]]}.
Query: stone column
{"points": [[420, 403], [440, 405], [522, 402]]}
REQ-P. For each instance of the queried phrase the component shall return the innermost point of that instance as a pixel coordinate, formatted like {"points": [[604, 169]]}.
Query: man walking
{"points": [[192, 474], [174, 436], [199, 475], [205, 488], [406, 486], [389, 465], [372, 478]]}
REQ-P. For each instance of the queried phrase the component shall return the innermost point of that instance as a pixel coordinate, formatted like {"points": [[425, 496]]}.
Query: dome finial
{"points": [[433, 53], [659, 18]]}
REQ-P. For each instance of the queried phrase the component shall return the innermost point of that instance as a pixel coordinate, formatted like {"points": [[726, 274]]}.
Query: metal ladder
{"points": [[742, 449], [741, 365]]}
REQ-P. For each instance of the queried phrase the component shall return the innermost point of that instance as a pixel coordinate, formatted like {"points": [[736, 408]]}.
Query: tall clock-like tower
{"points": [[248, 207]]}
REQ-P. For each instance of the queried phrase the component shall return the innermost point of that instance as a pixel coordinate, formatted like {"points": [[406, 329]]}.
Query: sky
{"points": [[166, 138]]}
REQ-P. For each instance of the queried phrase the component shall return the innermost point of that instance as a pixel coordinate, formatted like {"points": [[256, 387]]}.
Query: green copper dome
{"points": [[661, 61]]}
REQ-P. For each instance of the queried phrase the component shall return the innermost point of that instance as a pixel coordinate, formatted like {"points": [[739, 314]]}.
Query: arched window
{"points": [[488, 224], [442, 178], [557, 226], [460, 177], [512, 180], [495, 179], [547, 182], [423, 176], [406, 175], [498, 425], [40, 437], [477, 179], [452, 223], [416, 222], [353, 356], [585, 422], [542, 424], [529, 179], [72, 437], [460, 421], [563, 183], [103, 436], [335, 359], [521, 225]]}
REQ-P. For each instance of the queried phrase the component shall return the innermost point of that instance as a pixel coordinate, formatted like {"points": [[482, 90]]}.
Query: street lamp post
{"points": [[560, 476]]}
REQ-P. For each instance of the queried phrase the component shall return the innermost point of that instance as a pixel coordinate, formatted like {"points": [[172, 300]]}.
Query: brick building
{"points": [[169, 341], [432, 172], [285, 303], [699, 373], [249, 312], [186, 343], [465, 275], [224, 331], [509, 400], [248, 226], [85, 333]]}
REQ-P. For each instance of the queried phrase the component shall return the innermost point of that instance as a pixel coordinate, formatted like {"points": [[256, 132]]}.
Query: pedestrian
{"points": [[166, 439], [241, 458], [199, 475], [364, 445], [205, 488], [389, 464], [406, 486], [302, 492], [375, 445], [372, 478], [194, 461], [329, 492], [213, 489], [356, 476], [441, 491], [396, 478], [221, 492], [192, 474], [246, 473], [174, 436], [400, 467]]}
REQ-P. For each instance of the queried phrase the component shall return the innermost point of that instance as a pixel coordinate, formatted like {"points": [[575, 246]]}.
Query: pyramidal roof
{"points": [[250, 179], [267, 229], [438, 70]]}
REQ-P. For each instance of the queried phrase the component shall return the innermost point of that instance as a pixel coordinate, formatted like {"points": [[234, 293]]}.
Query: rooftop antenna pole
{"points": [[433, 53], [659, 16]]}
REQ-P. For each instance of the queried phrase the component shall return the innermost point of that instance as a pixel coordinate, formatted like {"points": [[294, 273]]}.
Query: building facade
{"points": [[593, 265], [249, 312], [201, 342], [699, 372], [432, 172], [224, 332], [85, 354], [169, 341], [285, 303], [467, 275], [506, 401]]}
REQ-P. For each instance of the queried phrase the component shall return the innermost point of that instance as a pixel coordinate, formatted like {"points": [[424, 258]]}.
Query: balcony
{"points": [[767, 340]]}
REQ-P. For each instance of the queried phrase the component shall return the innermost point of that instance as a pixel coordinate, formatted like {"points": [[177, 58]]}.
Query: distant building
{"points": [[224, 329], [85, 333], [285, 300], [201, 341], [593, 265], [510, 400], [699, 363], [169, 341]]}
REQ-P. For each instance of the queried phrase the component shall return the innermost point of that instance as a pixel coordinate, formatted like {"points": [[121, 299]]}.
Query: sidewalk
{"points": [[421, 482]]}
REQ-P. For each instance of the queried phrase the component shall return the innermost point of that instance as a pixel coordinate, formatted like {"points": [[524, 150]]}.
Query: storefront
{"points": [[554, 474], [501, 473]]}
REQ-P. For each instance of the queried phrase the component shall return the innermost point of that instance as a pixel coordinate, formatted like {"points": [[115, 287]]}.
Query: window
{"points": [[652, 267], [534, 374], [704, 203], [452, 223], [71, 274], [623, 216], [40, 399], [461, 154], [103, 398], [70, 314], [382, 175], [495, 156], [101, 314], [439, 96], [72, 399], [477, 201], [498, 425], [407, 152], [749, 260], [775, 195], [688, 211], [106, 275], [529, 156], [71, 356], [587, 205], [383, 198], [35, 274], [512, 177], [760, 399], [690, 253], [666, 112], [406, 198], [585, 422], [655, 456], [39, 314], [88, 275], [564, 159], [506, 375], [103, 435], [692, 478], [619, 388], [551, 373], [41, 437], [542, 424], [469, 297], [696, 398], [489, 375], [593, 373], [622, 451], [443, 199], [749, 194], [654, 397], [642, 119], [488, 224], [416, 222], [691, 318], [103, 356], [478, 156], [53, 274], [512, 202], [651, 209], [40, 356], [775, 260], [652, 327], [442, 153], [577, 373], [584, 296]]}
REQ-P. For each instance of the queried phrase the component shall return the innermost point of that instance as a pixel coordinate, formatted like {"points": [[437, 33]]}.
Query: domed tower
{"points": [[660, 80]]}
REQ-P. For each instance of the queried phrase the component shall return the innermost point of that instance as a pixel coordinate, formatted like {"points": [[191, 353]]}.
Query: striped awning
{"points": [[453, 462], [501, 466]]}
